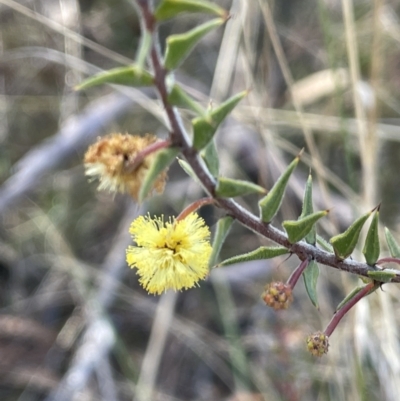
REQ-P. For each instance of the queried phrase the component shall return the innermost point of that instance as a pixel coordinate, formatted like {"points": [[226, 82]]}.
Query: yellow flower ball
{"points": [[169, 255]]}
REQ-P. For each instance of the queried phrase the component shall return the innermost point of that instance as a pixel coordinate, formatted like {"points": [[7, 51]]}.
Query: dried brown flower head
{"points": [[318, 343], [278, 295], [110, 159]]}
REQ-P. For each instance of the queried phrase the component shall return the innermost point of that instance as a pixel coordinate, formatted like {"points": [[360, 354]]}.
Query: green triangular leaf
{"points": [[382, 276], [371, 249], [221, 232], [187, 169], [204, 128], [324, 244], [345, 243], [179, 46], [309, 209], [170, 8], [270, 204], [298, 229], [229, 188], [130, 76], [263, 252], [210, 156], [310, 276], [179, 98], [162, 160], [394, 247], [146, 41]]}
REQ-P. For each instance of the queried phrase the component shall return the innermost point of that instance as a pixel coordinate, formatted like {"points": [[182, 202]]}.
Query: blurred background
{"points": [[74, 323]]}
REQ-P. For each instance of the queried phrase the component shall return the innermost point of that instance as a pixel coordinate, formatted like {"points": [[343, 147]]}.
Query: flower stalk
{"points": [[337, 317], [388, 260], [193, 207], [294, 277], [133, 165]]}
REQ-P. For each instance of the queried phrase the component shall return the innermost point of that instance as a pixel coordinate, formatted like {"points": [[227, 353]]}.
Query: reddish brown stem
{"points": [[138, 160], [337, 317], [194, 206], [294, 277], [388, 260]]}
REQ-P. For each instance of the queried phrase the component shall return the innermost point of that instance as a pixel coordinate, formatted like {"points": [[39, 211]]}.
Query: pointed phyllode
{"points": [[221, 232], [325, 245], [132, 75], [298, 229], [263, 252], [188, 170], [394, 247], [210, 157], [204, 128], [345, 243], [371, 249], [229, 188], [311, 272], [270, 204], [311, 237], [382, 276], [179, 98], [179, 46], [170, 8], [310, 276], [162, 161], [143, 51]]}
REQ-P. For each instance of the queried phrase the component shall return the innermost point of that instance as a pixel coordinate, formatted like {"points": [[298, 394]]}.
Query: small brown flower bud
{"points": [[278, 295], [318, 343]]}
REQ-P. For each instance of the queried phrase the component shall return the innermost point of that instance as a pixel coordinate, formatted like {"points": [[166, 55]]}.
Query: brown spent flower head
{"points": [[318, 343], [278, 295], [109, 158]]}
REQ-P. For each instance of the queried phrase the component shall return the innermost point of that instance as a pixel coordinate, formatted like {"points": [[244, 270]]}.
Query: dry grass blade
{"points": [[65, 31], [227, 55], [308, 135], [366, 152], [163, 318]]}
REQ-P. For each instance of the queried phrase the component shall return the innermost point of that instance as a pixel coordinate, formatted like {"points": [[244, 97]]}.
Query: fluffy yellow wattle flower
{"points": [[109, 157], [171, 254]]}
